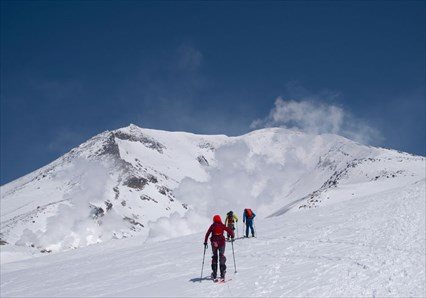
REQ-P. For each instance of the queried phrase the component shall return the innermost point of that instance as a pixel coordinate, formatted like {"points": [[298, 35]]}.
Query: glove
{"points": [[205, 244]]}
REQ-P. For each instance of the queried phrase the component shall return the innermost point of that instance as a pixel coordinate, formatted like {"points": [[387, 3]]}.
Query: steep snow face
{"points": [[140, 181]]}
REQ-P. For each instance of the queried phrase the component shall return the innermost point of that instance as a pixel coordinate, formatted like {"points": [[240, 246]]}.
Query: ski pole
{"points": [[202, 266], [255, 231], [233, 255]]}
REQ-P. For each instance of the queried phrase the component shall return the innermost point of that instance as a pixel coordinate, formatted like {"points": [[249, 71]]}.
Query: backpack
{"points": [[217, 230], [230, 218], [249, 213]]}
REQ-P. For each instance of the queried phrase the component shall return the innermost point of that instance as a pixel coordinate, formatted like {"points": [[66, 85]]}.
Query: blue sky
{"points": [[72, 69]]}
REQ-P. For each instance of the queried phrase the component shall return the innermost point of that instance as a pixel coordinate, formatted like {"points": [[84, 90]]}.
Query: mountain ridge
{"points": [[136, 176]]}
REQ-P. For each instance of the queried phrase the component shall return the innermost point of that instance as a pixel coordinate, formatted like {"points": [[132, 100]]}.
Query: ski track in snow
{"points": [[372, 246]]}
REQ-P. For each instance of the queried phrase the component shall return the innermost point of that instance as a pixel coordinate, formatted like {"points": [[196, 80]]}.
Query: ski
{"points": [[221, 280]]}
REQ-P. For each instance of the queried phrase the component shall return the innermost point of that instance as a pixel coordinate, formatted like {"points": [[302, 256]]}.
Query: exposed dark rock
{"points": [[123, 203], [163, 190], [164, 176], [202, 160], [147, 198], [109, 147], [145, 140], [96, 212], [136, 182], [206, 145], [117, 192], [133, 222], [152, 178], [185, 205], [108, 205], [2, 242], [388, 174]]}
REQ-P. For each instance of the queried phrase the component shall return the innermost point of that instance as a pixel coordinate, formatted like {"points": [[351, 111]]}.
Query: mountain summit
{"points": [[120, 183]]}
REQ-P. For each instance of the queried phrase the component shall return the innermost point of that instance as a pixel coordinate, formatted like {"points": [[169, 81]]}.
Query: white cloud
{"points": [[311, 115]]}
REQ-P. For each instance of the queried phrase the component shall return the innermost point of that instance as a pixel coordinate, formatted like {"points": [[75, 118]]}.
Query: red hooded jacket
{"points": [[217, 229]]}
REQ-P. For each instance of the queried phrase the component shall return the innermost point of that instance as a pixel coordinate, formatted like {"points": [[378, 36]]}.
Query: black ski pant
{"points": [[218, 250]]}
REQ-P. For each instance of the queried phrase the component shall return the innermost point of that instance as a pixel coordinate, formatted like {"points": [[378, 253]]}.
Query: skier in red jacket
{"points": [[218, 245]]}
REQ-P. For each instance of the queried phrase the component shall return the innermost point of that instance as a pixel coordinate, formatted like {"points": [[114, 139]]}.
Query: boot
{"points": [[214, 271], [222, 271]]}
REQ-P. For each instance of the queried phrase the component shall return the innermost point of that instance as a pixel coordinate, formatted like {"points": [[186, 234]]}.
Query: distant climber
{"points": [[218, 245], [248, 217], [230, 221]]}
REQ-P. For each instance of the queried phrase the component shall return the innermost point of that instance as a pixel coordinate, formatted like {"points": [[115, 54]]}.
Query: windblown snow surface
{"points": [[125, 213]]}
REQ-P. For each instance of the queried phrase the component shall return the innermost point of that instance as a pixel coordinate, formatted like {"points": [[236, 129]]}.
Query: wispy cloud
{"points": [[313, 115]]}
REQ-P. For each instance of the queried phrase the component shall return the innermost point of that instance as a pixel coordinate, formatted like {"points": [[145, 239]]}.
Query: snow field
{"points": [[369, 246]]}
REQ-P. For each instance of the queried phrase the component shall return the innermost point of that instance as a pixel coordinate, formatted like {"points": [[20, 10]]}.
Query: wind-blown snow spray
{"points": [[176, 225], [239, 179], [75, 223]]}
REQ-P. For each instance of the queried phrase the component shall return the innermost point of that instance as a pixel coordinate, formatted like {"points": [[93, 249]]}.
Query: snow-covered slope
{"points": [[372, 246], [119, 183]]}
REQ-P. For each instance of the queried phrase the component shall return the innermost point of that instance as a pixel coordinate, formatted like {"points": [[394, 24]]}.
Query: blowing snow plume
{"points": [[318, 117], [82, 218], [239, 179]]}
